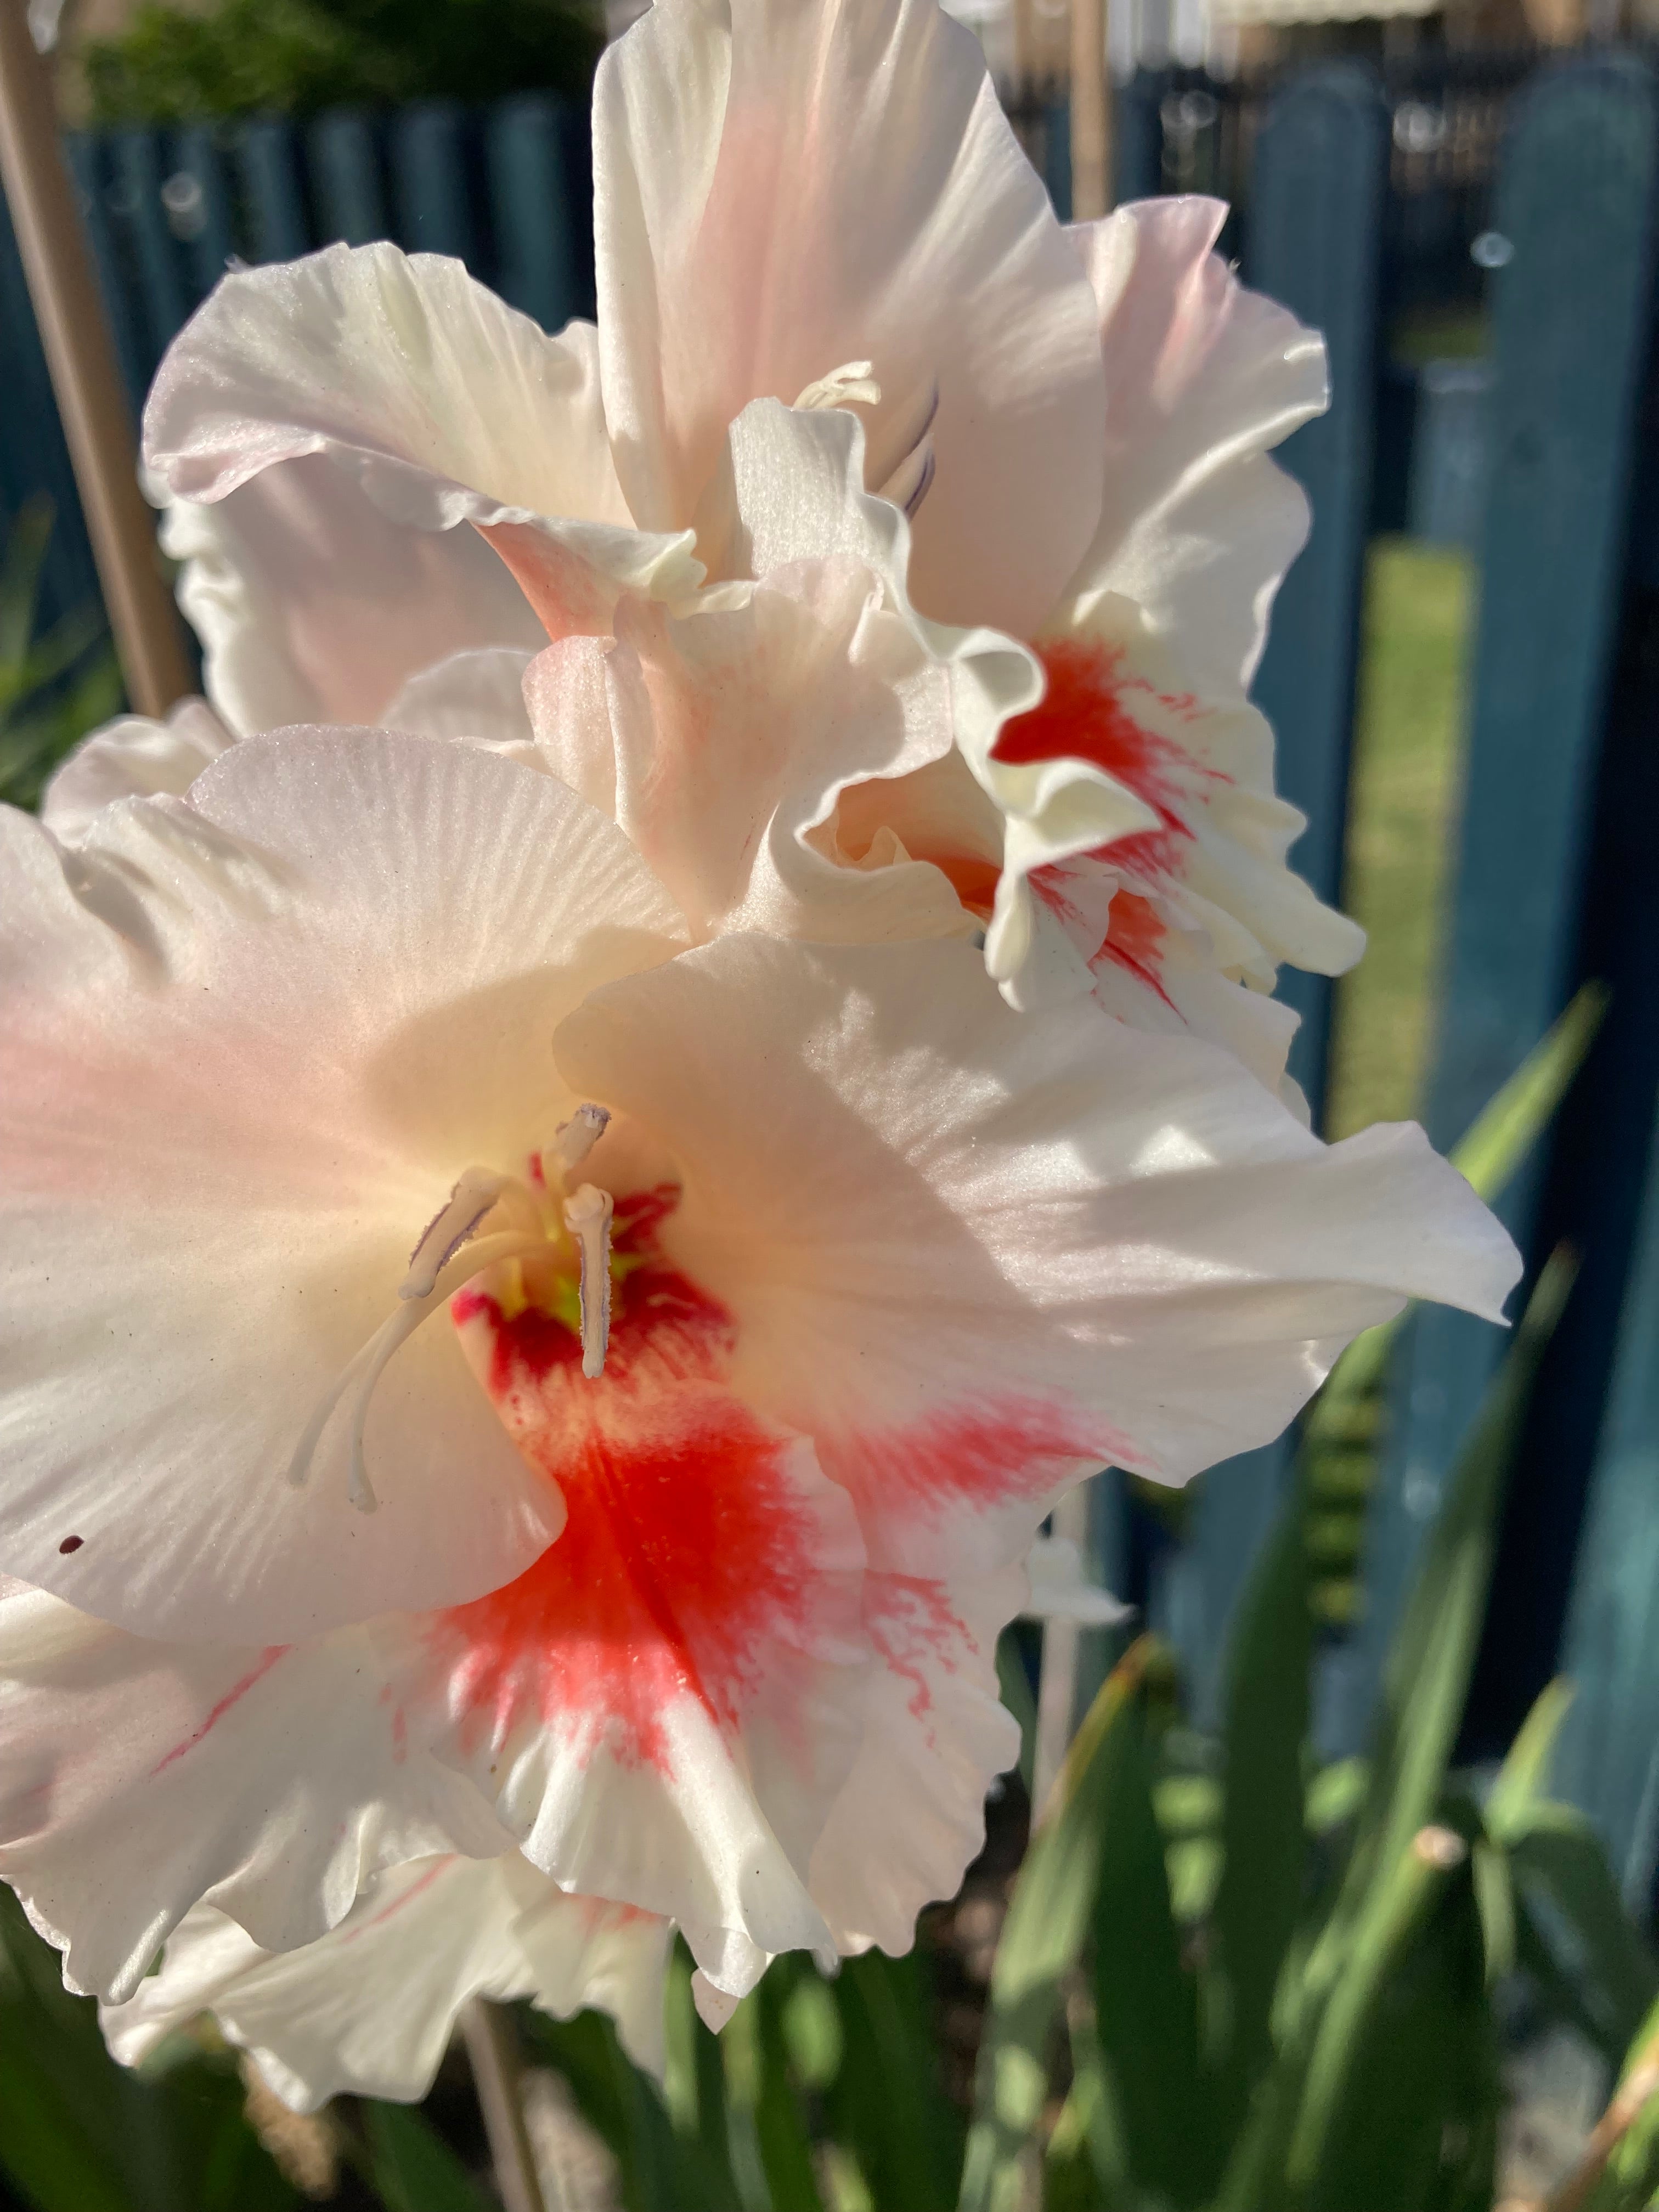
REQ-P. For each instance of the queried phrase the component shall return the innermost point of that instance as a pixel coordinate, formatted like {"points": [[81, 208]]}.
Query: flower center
{"points": [[543, 1216]]}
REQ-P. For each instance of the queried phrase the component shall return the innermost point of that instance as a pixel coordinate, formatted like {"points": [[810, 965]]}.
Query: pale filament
{"points": [[449, 1253]]}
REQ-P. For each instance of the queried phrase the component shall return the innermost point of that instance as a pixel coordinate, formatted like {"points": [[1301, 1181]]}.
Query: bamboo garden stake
{"points": [[81, 355], [1091, 113], [1092, 197]]}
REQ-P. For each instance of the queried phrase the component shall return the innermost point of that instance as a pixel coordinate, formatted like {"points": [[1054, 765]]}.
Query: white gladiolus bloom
{"points": [[824, 209], [482, 1373]]}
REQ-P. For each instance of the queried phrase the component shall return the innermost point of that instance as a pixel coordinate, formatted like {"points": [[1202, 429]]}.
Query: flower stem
{"points": [[492, 2047]]}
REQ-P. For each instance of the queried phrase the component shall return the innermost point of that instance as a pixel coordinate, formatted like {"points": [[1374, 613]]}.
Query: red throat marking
{"points": [[688, 1546], [1087, 713]]}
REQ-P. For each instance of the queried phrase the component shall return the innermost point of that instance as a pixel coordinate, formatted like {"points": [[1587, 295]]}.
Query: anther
{"points": [[587, 1216], [450, 1227], [852, 385], [573, 1140]]}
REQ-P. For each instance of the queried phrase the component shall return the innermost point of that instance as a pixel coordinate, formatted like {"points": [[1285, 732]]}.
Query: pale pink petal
{"points": [[370, 2009], [912, 1817], [138, 1779], [254, 1040], [1197, 525], [736, 721], [971, 1253], [441, 405], [313, 606], [781, 191], [1154, 974], [131, 758], [475, 697], [732, 732], [664, 1705]]}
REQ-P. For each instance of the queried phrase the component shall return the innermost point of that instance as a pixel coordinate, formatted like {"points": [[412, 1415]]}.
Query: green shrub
{"points": [[295, 56]]}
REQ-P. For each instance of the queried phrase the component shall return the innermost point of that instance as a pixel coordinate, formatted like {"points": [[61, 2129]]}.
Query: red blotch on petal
{"points": [[1088, 713], [916, 1631], [689, 1544], [1135, 939], [986, 1457]]}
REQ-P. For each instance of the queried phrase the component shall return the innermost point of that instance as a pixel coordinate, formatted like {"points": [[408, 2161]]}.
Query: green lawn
{"points": [[1418, 602]]}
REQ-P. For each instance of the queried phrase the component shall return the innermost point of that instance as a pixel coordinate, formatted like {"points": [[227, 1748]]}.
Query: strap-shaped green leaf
{"points": [[1263, 1827], [413, 2167]]}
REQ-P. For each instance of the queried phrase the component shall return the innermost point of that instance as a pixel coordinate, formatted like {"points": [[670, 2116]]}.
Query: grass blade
{"points": [[1502, 1134], [1521, 1779], [1492, 1149], [1043, 1940], [1146, 2007], [886, 2104], [413, 2167], [1263, 1824], [20, 578], [1555, 1851], [1426, 1679], [1392, 1879]]}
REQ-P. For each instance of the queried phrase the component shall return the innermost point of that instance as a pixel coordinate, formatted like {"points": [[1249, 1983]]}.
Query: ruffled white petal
{"points": [[1060, 1589], [1206, 861], [733, 731], [912, 1817], [132, 758], [737, 721], [1197, 524], [441, 405], [1150, 648], [138, 1779], [971, 1253], [475, 698], [312, 605], [370, 2009], [780, 191], [255, 1039]]}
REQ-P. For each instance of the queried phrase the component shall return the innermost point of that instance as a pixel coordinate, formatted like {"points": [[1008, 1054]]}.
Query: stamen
{"points": [[573, 1140], [368, 1363], [908, 485], [852, 385], [587, 1216], [449, 1227]]}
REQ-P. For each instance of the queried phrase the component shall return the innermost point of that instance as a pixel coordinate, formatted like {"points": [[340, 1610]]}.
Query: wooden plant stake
{"points": [[81, 357]]}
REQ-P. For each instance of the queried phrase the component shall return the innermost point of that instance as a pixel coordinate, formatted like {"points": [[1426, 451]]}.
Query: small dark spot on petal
{"points": [[71, 1543]]}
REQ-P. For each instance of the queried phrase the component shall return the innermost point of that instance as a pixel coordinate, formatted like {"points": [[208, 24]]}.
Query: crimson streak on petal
{"points": [[689, 1546]]}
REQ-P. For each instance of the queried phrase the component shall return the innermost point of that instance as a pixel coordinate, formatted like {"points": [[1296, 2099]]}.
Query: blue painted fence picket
{"points": [[1554, 878]]}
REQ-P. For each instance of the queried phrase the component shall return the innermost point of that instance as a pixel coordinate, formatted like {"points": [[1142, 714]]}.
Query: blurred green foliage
{"points": [[1408, 741], [52, 688], [295, 56]]}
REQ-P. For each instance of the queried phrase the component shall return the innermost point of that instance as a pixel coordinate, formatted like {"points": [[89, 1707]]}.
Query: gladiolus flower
{"points": [[389, 1194], [825, 209]]}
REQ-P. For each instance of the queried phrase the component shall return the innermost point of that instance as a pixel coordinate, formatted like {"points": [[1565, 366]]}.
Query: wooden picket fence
{"points": [[1555, 878]]}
